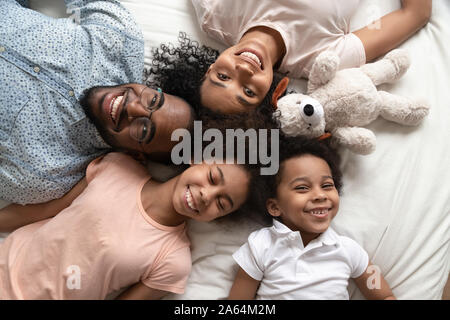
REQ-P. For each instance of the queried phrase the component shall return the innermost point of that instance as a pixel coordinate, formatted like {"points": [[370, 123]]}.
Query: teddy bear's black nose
{"points": [[308, 110]]}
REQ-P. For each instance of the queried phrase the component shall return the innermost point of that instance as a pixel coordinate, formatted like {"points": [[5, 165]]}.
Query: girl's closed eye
{"points": [[211, 178], [328, 185], [220, 205], [301, 188]]}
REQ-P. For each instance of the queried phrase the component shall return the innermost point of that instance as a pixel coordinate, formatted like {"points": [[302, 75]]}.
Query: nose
{"points": [[205, 197], [319, 195], [208, 195], [245, 68], [135, 109], [308, 110]]}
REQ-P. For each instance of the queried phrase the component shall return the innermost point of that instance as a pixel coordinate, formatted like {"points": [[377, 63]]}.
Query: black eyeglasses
{"points": [[142, 129]]}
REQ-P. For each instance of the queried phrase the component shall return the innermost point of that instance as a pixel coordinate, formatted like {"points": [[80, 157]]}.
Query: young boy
{"points": [[301, 256]]}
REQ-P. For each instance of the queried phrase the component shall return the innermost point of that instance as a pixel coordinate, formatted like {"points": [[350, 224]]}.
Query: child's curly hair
{"points": [[180, 70], [292, 147]]}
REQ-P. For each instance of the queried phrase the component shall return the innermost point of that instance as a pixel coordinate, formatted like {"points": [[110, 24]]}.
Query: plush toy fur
{"points": [[341, 102]]}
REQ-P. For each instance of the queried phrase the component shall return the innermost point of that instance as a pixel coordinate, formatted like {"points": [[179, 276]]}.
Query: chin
{"points": [[321, 229]]}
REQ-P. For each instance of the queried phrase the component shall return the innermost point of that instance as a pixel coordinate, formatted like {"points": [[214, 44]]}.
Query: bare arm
{"points": [[373, 286], [395, 28], [15, 215], [244, 287], [141, 292]]}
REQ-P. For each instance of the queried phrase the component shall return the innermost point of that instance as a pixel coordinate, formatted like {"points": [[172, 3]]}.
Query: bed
{"points": [[395, 202]]}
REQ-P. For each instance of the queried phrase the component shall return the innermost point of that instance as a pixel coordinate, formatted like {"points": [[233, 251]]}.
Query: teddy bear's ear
{"points": [[279, 90]]}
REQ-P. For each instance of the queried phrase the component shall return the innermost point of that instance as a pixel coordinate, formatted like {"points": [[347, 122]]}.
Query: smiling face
{"points": [[239, 79], [121, 115], [307, 199], [205, 192]]}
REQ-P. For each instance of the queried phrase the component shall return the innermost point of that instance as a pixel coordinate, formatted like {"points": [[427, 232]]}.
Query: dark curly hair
{"points": [[253, 204], [180, 70], [291, 147]]}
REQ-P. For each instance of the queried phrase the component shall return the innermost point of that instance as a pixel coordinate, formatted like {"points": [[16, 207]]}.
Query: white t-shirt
{"points": [[307, 28], [288, 271]]}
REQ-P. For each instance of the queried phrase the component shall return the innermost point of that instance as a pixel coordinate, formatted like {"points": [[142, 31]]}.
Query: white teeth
{"points": [[252, 56], [189, 200], [115, 104], [319, 211]]}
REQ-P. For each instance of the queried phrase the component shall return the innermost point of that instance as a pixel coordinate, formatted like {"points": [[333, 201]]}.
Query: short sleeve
{"points": [[250, 256], [108, 13], [350, 50], [172, 273], [94, 167], [116, 163], [359, 259], [201, 10]]}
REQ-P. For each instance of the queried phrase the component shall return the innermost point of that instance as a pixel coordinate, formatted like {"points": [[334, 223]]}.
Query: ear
{"points": [[279, 90], [272, 207]]}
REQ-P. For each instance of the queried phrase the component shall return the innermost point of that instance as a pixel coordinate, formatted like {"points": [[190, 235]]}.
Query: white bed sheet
{"points": [[396, 201]]}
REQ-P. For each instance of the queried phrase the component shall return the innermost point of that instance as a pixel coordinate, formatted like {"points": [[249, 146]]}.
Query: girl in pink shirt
{"points": [[117, 228], [267, 35]]}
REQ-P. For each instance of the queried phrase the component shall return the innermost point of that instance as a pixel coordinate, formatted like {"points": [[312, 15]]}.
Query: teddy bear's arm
{"points": [[356, 139], [323, 70], [402, 110], [389, 69]]}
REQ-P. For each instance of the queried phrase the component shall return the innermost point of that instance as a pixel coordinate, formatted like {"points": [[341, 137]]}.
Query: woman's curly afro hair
{"points": [[180, 70]]}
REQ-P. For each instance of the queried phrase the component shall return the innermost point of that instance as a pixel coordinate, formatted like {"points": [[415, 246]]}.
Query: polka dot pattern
{"points": [[46, 141]]}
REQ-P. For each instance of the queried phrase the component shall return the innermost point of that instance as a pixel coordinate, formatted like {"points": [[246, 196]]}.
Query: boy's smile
{"points": [[307, 199]]}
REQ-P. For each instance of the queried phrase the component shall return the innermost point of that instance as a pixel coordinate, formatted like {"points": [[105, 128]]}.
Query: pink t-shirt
{"points": [[103, 242], [308, 27]]}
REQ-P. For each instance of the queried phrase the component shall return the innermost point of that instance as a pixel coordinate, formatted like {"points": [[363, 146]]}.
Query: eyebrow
{"points": [[153, 128], [151, 135], [307, 180], [222, 177], [240, 98], [161, 100], [216, 83]]}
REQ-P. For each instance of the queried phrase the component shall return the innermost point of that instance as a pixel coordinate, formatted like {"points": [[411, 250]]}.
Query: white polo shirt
{"points": [[287, 270], [307, 28]]}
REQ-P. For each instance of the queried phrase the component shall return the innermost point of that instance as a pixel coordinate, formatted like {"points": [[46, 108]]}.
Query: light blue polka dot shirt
{"points": [[46, 141]]}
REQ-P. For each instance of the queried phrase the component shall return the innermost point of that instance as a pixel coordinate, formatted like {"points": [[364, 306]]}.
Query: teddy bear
{"points": [[340, 102]]}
